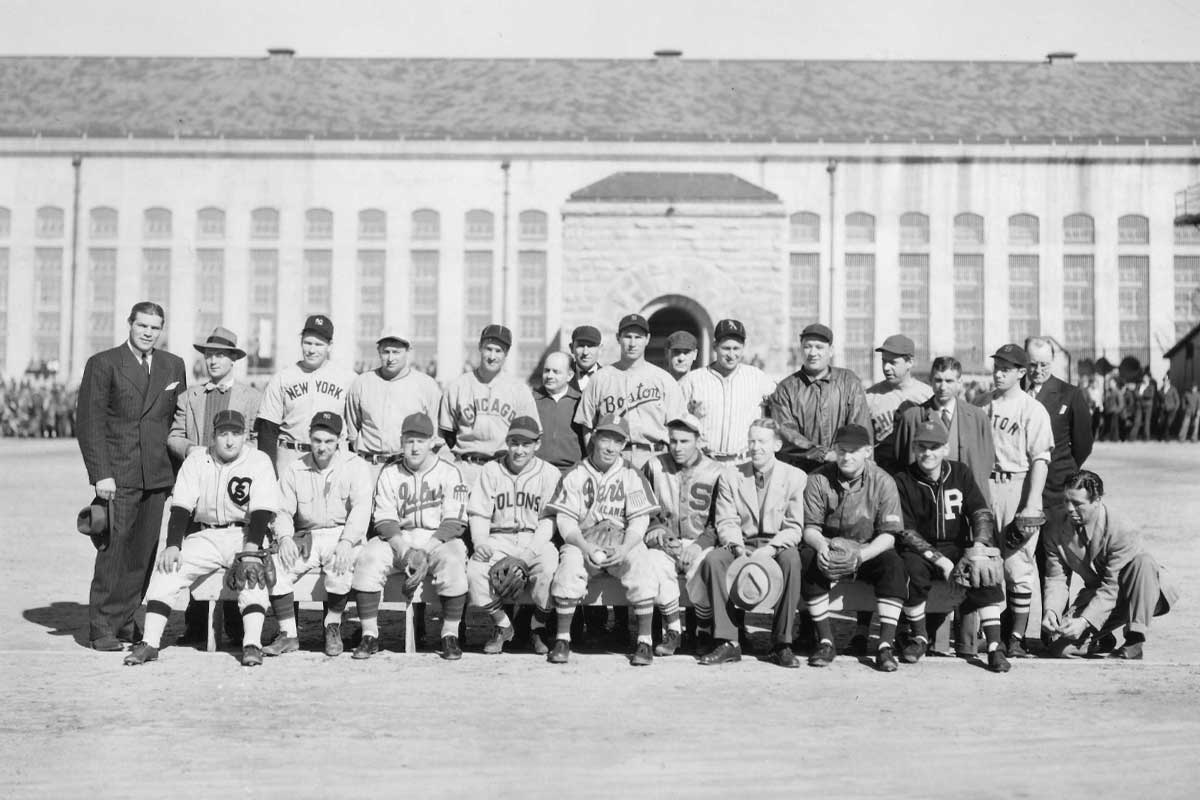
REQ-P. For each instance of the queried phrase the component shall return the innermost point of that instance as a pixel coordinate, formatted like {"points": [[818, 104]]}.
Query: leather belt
{"points": [[474, 458], [1000, 476], [653, 447], [292, 444], [378, 458]]}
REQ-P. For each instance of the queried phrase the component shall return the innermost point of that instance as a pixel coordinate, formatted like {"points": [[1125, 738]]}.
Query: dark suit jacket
{"points": [[188, 425], [975, 447], [1071, 422], [123, 417]]}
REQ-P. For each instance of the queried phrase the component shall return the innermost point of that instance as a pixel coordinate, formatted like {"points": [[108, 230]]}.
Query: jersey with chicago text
{"points": [[511, 502], [479, 412], [293, 396], [221, 494], [645, 395], [940, 511], [685, 495], [1021, 431], [421, 500], [620, 494], [885, 403]]}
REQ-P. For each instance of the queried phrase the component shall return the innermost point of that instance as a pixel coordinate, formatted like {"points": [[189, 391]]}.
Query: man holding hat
{"points": [[224, 501], [727, 395], [196, 408], [681, 353], [299, 391], [814, 402], [325, 507], [641, 394], [1023, 440], [508, 517], [420, 505], [479, 406], [853, 499], [585, 351], [759, 518], [896, 393]]}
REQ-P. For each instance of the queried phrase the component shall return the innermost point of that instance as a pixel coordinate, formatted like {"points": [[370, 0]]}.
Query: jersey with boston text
{"points": [[1021, 431], [646, 396]]}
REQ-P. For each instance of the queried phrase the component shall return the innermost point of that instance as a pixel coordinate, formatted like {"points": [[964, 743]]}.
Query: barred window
{"points": [[804, 294], [1187, 294], [210, 223], [477, 299], [1187, 234], [426, 225], [318, 281], [424, 298], [264, 223], [49, 223], [210, 288], [914, 303], [372, 224], [531, 308], [914, 230], [1133, 306], [1024, 319], [968, 310], [860, 228], [1079, 308], [1133, 229], [318, 223], [156, 275], [860, 313], [480, 226], [102, 223], [1023, 230], [102, 274], [804, 227], [372, 275], [968, 231], [1079, 229], [156, 223], [264, 277], [534, 226]]}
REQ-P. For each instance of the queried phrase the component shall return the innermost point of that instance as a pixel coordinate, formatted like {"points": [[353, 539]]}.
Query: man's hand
{"points": [[688, 557], [1051, 622], [697, 407], [828, 455], [168, 560], [341, 556], [766, 552], [106, 488], [483, 552], [738, 550], [945, 565], [1073, 628], [288, 552], [656, 538]]}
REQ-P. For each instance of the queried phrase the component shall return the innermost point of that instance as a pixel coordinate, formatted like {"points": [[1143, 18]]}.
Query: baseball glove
{"points": [[251, 569], [303, 541], [843, 559], [1023, 528], [980, 566], [508, 577], [659, 537], [413, 566], [606, 534]]}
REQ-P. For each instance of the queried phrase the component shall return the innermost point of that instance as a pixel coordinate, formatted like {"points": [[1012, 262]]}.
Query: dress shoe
{"points": [[857, 646], [130, 634], [724, 653], [1128, 652], [997, 661], [1016, 648], [824, 655], [500, 637], [450, 649], [643, 656], [333, 639], [282, 644], [107, 644], [560, 653], [669, 644], [913, 650], [537, 641], [368, 647], [1102, 645], [784, 657], [704, 643], [252, 655], [140, 654], [885, 660]]}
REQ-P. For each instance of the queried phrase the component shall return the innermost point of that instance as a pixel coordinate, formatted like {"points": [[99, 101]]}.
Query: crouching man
{"points": [[224, 500]]}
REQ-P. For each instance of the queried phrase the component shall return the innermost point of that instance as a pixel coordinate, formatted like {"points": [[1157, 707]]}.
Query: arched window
{"points": [[264, 223], [534, 226], [804, 227], [156, 223], [914, 229], [480, 226], [318, 223], [372, 224], [1023, 229], [210, 223], [102, 223], [968, 229], [49, 222], [1133, 229], [1079, 229], [860, 228], [426, 224]]}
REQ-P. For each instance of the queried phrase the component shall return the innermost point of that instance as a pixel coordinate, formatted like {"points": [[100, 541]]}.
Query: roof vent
{"points": [[668, 53], [1060, 55], [280, 52]]}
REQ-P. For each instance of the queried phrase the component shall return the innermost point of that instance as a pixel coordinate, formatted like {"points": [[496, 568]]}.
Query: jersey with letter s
{"points": [[686, 495]]}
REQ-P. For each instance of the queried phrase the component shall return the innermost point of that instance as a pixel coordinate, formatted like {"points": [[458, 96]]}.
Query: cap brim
{"points": [[526, 436], [234, 352], [611, 430], [395, 339]]}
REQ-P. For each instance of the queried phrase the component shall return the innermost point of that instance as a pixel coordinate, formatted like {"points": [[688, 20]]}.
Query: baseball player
{"points": [[1023, 440], [896, 393], [224, 500], [681, 353], [683, 532], [945, 515], [585, 352], [420, 516], [479, 406], [325, 506], [300, 390], [603, 491], [727, 395], [643, 395], [508, 516]]}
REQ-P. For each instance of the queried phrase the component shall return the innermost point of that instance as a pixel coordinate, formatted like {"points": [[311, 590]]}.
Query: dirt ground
{"points": [[75, 722]]}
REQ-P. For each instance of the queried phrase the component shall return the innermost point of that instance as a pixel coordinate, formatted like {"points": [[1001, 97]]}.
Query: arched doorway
{"points": [[671, 313]]}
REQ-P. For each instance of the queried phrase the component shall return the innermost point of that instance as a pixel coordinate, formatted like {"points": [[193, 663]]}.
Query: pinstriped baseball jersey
{"points": [[339, 495], [685, 495], [222, 494], [479, 413], [421, 500], [293, 396], [726, 405], [620, 494], [513, 502], [645, 395], [1021, 431]]}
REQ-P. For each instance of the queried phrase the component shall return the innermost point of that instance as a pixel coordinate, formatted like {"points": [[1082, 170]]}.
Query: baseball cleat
{"points": [[140, 654], [1016, 648], [997, 661], [537, 641], [282, 644], [1128, 652], [560, 652], [885, 660], [500, 637], [824, 655], [333, 639], [913, 651], [784, 657], [725, 653], [643, 656], [450, 649], [704, 643], [252, 655], [1102, 645], [669, 644], [368, 647], [857, 646]]}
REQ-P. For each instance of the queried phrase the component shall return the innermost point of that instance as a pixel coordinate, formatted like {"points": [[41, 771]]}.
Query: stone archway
{"points": [[674, 312]]}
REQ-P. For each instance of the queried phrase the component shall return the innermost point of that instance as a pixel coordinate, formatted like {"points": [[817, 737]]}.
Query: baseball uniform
{"points": [[293, 396], [726, 405], [478, 413], [644, 395], [886, 403], [376, 406]]}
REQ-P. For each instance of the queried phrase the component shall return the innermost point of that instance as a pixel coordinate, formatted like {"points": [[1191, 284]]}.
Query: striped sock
{"points": [[565, 611], [818, 609], [1018, 603], [888, 609], [335, 605], [670, 613], [284, 606], [915, 614], [368, 611], [989, 618]]}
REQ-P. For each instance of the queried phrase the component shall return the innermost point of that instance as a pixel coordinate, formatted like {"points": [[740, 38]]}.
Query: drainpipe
{"points": [[76, 165], [504, 167], [831, 170]]}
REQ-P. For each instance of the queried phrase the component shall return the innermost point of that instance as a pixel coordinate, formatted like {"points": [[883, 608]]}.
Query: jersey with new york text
{"points": [[510, 502], [293, 396], [220, 494]]}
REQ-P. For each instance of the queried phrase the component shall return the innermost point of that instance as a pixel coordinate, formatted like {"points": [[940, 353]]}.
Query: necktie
{"points": [[946, 418], [760, 481], [146, 364], [218, 387]]}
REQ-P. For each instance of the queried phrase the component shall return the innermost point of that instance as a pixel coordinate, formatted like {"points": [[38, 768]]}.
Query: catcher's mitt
{"points": [[251, 569], [303, 541], [508, 577], [980, 566], [843, 559], [1023, 528], [413, 566]]}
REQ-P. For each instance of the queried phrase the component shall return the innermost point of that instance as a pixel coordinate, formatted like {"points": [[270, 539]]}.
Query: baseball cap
{"points": [[526, 428], [586, 334], [229, 418], [852, 435], [417, 425], [392, 335], [932, 431], [682, 340], [730, 329], [326, 420], [319, 326], [817, 331], [898, 344], [686, 421], [633, 321], [1012, 353], [497, 333], [613, 424]]}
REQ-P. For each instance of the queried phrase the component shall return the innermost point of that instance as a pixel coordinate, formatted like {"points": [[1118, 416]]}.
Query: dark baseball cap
{"points": [[586, 334], [611, 423], [932, 431], [682, 340], [326, 420], [318, 326], [730, 329], [853, 436], [417, 425], [526, 428], [898, 344], [229, 418], [497, 333], [817, 331], [1012, 353], [633, 321]]}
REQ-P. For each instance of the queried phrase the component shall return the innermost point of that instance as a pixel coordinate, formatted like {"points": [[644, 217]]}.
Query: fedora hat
{"points": [[92, 520], [754, 584], [221, 339]]}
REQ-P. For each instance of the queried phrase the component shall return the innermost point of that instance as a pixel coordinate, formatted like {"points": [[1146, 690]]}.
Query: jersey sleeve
{"points": [[285, 525], [354, 410], [907, 508], [271, 408], [814, 502], [1041, 434], [385, 495], [264, 488], [639, 496], [482, 503], [186, 493], [973, 498], [585, 412], [358, 515], [569, 499], [455, 494], [446, 411], [431, 401], [548, 485], [888, 517]]}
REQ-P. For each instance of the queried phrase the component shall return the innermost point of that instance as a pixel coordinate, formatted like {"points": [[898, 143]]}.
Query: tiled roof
{"points": [[675, 187], [611, 100]]}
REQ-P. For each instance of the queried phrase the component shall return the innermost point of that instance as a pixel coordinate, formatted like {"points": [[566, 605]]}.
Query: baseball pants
{"points": [[123, 570], [712, 578], [636, 573], [377, 562], [885, 573], [203, 553], [667, 567], [1020, 568], [922, 574], [1139, 599], [320, 556], [542, 564]]}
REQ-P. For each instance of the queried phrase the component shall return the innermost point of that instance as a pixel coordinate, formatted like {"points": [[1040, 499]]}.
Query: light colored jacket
{"points": [[780, 515], [188, 426]]}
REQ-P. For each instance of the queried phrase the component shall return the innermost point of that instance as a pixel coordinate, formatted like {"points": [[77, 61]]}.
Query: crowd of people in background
{"points": [[37, 408]]}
